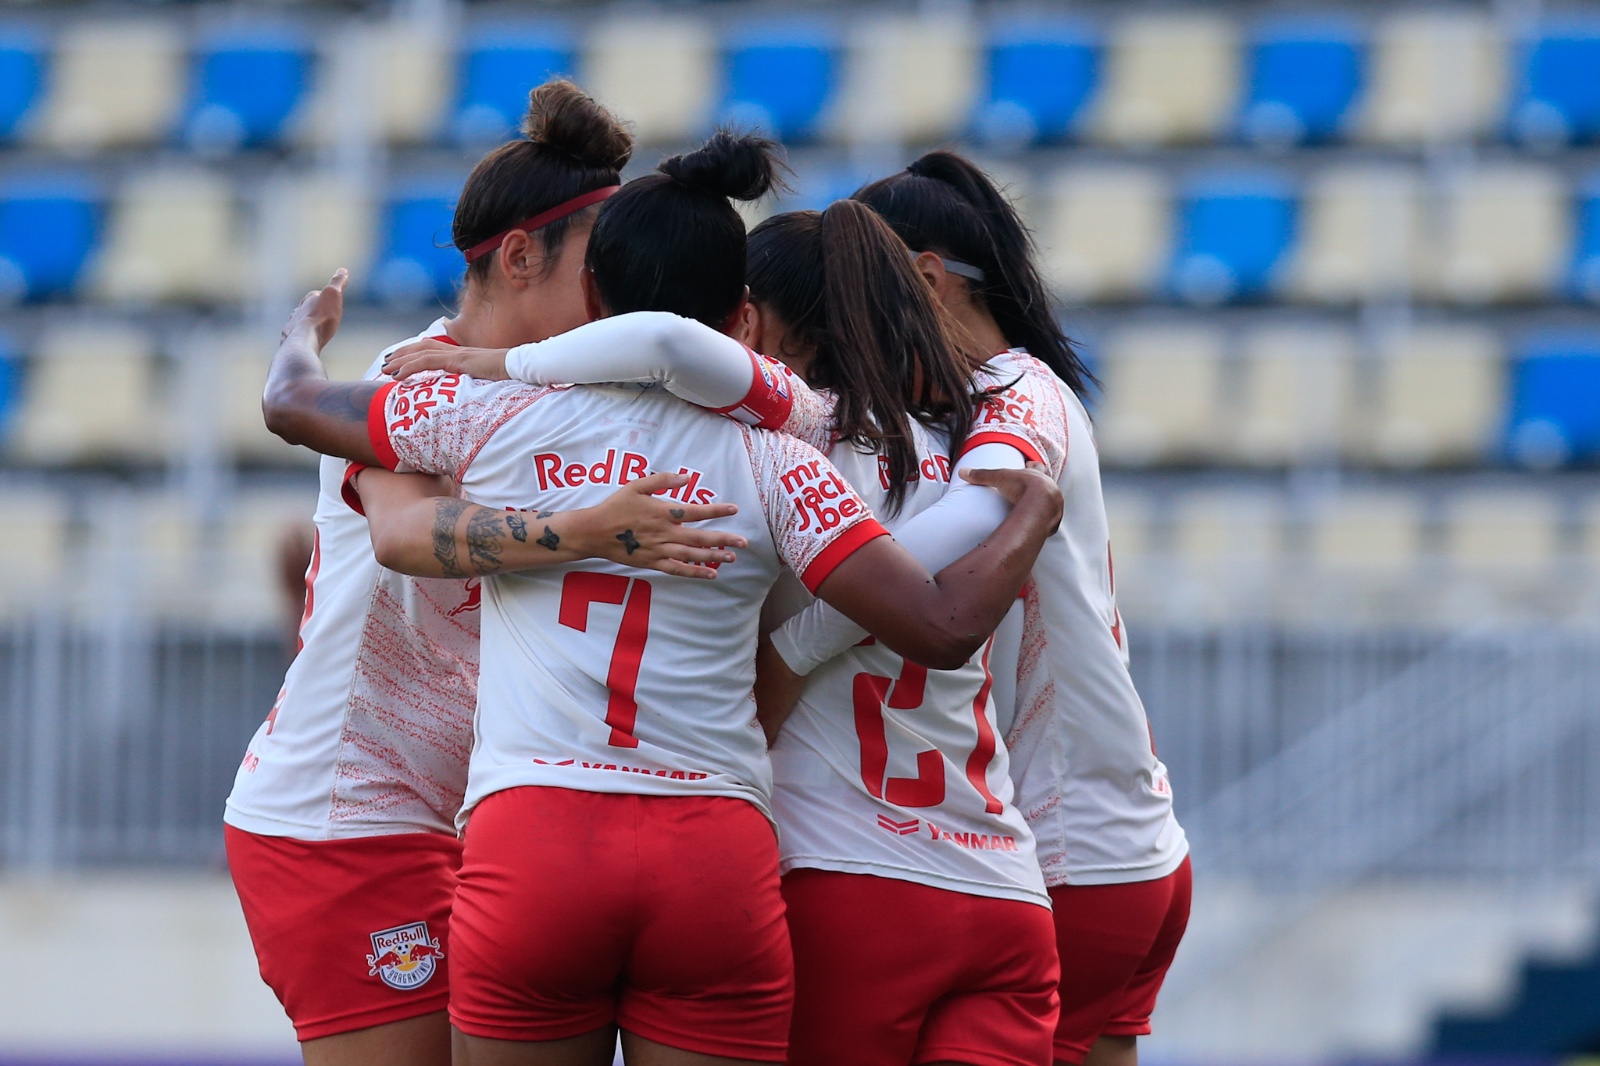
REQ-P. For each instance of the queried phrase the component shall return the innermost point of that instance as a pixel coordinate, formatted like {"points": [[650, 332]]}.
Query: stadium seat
{"points": [[1505, 235], [1297, 389], [245, 594], [247, 86], [1228, 543], [657, 72], [385, 82], [92, 394], [10, 386], [418, 262], [498, 68], [1436, 75], [21, 78], [908, 80], [1554, 417], [33, 527], [312, 224], [173, 235], [1363, 562], [356, 346], [1558, 98], [1586, 261], [1359, 234], [1233, 233], [229, 368], [112, 83], [1162, 387], [1366, 530], [1304, 75], [1106, 232], [1502, 530], [1042, 74], [48, 227], [1438, 396], [780, 77], [1168, 79]]}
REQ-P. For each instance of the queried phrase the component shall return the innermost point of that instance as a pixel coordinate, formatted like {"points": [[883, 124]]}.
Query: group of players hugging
{"points": [[710, 639]]}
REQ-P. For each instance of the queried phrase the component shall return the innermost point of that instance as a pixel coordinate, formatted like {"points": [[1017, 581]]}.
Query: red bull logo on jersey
{"points": [[933, 468], [555, 470], [405, 956], [821, 498]]}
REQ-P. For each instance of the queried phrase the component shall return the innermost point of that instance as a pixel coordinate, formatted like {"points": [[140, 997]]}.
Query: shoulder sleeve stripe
{"points": [[768, 402], [844, 546], [378, 427], [1020, 443], [347, 488]]}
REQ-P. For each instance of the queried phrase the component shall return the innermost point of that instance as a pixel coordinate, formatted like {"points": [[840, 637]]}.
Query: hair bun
{"points": [[738, 166], [566, 118]]}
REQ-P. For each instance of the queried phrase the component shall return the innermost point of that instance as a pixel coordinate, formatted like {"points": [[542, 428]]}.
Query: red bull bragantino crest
{"points": [[404, 956]]}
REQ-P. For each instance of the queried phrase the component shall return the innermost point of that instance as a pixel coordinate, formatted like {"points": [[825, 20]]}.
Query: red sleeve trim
{"points": [[1016, 441], [843, 546], [378, 426], [347, 488], [770, 399]]}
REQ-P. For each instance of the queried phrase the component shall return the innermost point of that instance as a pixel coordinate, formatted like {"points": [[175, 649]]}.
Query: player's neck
{"points": [[979, 324], [485, 323]]}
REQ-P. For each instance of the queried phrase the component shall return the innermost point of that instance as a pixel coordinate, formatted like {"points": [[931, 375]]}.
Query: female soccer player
{"points": [[891, 794], [617, 867], [1087, 776], [340, 828]]}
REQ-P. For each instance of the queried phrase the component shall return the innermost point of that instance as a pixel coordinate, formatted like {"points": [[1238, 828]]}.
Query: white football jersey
{"points": [[1082, 756], [371, 730], [598, 676]]}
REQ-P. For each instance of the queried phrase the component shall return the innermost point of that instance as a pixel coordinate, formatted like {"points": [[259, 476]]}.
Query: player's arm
{"points": [[299, 403], [418, 528], [687, 358]]}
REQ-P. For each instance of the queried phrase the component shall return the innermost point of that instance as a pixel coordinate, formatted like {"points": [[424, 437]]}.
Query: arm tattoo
{"points": [[346, 401], [445, 513], [483, 540], [518, 527], [549, 540], [544, 514], [629, 541]]}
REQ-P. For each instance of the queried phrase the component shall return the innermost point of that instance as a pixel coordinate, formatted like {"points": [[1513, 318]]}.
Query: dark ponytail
{"points": [[671, 241], [943, 203], [845, 287], [570, 145]]}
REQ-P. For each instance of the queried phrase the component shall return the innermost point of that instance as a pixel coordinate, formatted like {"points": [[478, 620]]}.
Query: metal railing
{"points": [[1310, 759]]}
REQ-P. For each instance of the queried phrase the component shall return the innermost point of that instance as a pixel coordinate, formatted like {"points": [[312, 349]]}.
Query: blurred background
{"points": [[1337, 265]]}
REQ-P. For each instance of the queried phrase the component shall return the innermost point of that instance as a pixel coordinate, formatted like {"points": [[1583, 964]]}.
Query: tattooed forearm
{"points": [[446, 512], [518, 527], [483, 540], [347, 402], [629, 541], [550, 539]]}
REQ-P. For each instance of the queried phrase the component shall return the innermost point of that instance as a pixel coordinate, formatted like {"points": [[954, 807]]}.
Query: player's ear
{"points": [[592, 305], [931, 267], [519, 260], [752, 332], [737, 323]]}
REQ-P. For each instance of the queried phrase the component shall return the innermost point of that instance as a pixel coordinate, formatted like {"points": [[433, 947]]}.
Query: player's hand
{"points": [[420, 357], [635, 528], [1032, 486], [777, 690], [318, 316]]}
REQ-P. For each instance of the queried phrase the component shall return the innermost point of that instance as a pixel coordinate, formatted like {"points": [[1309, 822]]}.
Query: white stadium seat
{"points": [[657, 72], [1435, 76], [113, 83], [34, 529], [386, 82], [1161, 395], [1359, 234], [1438, 397], [1169, 78], [1106, 232], [1298, 387], [251, 529], [93, 393], [907, 80], [174, 235], [1505, 234], [310, 225]]}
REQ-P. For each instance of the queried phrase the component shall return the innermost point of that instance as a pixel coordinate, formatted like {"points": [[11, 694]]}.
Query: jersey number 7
{"points": [[579, 589]]}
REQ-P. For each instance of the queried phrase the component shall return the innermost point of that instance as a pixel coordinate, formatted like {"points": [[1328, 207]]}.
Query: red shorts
{"points": [[349, 933], [659, 913], [891, 972], [1116, 943]]}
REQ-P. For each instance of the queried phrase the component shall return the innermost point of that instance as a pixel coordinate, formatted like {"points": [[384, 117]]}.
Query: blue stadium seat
{"points": [[10, 384], [1303, 77], [1041, 76], [1233, 233], [780, 76], [418, 263], [1586, 262], [48, 227], [1558, 100], [21, 72], [1555, 400], [818, 186], [245, 87], [498, 68]]}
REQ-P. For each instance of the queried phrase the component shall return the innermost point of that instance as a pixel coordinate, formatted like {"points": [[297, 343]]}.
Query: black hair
{"points": [[671, 241], [570, 145], [943, 203], [844, 286]]}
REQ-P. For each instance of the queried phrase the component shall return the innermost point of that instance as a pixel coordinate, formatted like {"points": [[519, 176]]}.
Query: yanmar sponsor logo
{"points": [[823, 500], [899, 829], [974, 841], [555, 470], [623, 768]]}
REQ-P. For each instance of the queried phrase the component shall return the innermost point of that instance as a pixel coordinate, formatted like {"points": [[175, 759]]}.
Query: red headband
{"points": [[577, 203]]}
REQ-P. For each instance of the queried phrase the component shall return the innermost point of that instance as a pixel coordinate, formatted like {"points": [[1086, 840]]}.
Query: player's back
{"points": [[598, 676]]}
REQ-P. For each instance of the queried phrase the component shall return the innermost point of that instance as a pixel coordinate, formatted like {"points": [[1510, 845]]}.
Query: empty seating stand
{"points": [[498, 68], [1041, 77], [1233, 232], [48, 226], [22, 67], [1554, 418], [246, 86], [780, 78], [1558, 99], [1303, 82], [418, 262]]}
